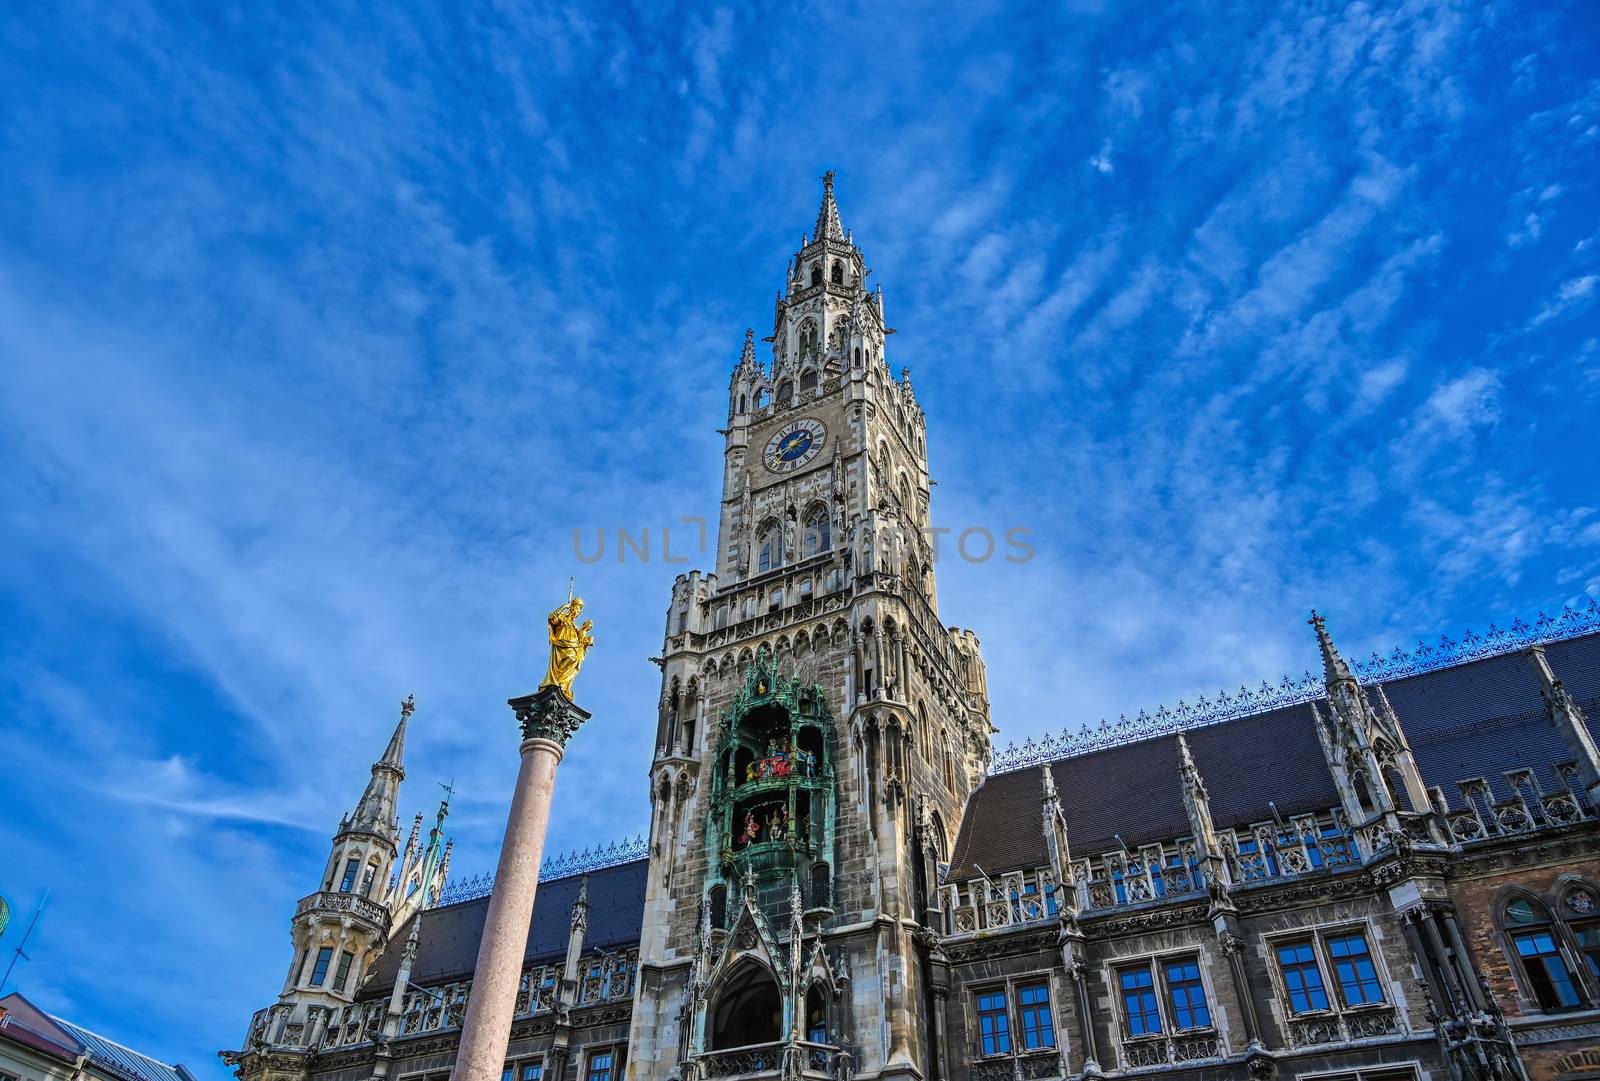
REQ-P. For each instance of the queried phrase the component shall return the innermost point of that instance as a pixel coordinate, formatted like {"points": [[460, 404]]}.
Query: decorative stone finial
{"points": [[1333, 667], [408, 706]]}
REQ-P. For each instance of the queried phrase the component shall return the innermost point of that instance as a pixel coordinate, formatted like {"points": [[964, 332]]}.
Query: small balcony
{"points": [[820, 1061], [1348, 1026], [352, 904], [1177, 1049], [1028, 1066]]}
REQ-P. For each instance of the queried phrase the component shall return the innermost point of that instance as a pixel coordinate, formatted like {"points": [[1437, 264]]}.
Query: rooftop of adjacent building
{"points": [[25, 1023], [447, 947], [1475, 719]]}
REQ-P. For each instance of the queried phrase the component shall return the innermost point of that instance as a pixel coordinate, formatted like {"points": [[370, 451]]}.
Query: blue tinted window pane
{"points": [[1038, 1027], [1139, 1001], [1548, 976], [1589, 943], [1352, 965], [320, 972], [1188, 995], [994, 1025], [1301, 978]]}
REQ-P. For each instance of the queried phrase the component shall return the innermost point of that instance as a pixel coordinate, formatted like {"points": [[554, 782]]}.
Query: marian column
{"points": [[548, 718]]}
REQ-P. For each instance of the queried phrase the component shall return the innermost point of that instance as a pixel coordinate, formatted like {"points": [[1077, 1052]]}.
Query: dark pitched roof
{"points": [[26, 1023], [1475, 719], [447, 948]]}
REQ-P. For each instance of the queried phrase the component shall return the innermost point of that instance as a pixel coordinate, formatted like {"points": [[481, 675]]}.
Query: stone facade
{"points": [[840, 881]]}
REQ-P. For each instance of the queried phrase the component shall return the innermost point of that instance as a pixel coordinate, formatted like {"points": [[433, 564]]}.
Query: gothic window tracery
{"points": [[819, 535], [816, 274], [785, 392], [771, 551], [810, 340], [838, 272]]}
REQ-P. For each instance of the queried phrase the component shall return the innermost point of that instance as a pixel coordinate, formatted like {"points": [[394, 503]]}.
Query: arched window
{"points": [[785, 392], [1581, 908], [820, 894], [816, 274], [771, 556], [742, 401], [838, 272], [810, 339], [816, 1014], [819, 533], [808, 383], [719, 905], [748, 1010], [1536, 941], [856, 357]]}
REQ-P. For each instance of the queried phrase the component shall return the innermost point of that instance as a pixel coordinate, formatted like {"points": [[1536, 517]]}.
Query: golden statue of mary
{"points": [[569, 641]]}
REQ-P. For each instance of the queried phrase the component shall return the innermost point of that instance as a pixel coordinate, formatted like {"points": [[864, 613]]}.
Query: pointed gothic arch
{"points": [[746, 1010], [818, 530], [770, 546]]}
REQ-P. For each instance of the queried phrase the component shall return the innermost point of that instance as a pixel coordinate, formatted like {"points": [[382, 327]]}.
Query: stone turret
{"points": [[340, 930]]}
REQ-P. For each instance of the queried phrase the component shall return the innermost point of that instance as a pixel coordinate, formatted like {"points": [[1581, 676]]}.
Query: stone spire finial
{"points": [[1334, 670], [1048, 780], [394, 754], [1186, 766], [580, 905], [747, 359], [828, 226]]}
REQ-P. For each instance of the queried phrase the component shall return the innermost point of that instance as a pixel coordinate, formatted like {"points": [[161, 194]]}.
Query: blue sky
{"points": [[322, 329]]}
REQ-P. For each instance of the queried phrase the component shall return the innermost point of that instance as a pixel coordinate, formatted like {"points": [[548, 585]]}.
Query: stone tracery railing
{"points": [[1289, 691], [602, 977], [566, 865]]}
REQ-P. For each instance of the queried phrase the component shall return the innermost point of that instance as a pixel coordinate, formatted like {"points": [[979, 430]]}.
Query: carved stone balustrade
{"points": [[352, 904], [759, 1060], [1139, 1052], [1338, 1028]]}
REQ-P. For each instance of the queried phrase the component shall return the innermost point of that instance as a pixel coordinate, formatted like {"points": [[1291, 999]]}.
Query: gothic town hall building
{"points": [[1389, 872]]}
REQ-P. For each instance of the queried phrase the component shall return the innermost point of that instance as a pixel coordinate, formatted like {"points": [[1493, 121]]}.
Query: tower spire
{"points": [[376, 811], [1334, 670], [828, 226]]}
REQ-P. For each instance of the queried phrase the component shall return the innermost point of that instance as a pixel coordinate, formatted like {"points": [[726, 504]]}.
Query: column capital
{"points": [[548, 714]]}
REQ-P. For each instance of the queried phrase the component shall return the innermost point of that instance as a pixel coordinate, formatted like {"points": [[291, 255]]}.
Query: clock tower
{"points": [[820, 728]]}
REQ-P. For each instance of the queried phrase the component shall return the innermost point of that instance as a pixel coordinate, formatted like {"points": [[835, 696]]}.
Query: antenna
{"points": [[18, 954]]}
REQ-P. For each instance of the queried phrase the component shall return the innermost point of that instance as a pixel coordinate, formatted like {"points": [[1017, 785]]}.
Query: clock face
{"points": [[795, 445]]}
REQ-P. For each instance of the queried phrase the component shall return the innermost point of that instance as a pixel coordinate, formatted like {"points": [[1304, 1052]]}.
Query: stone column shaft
{"points": [[486, 1029]]}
